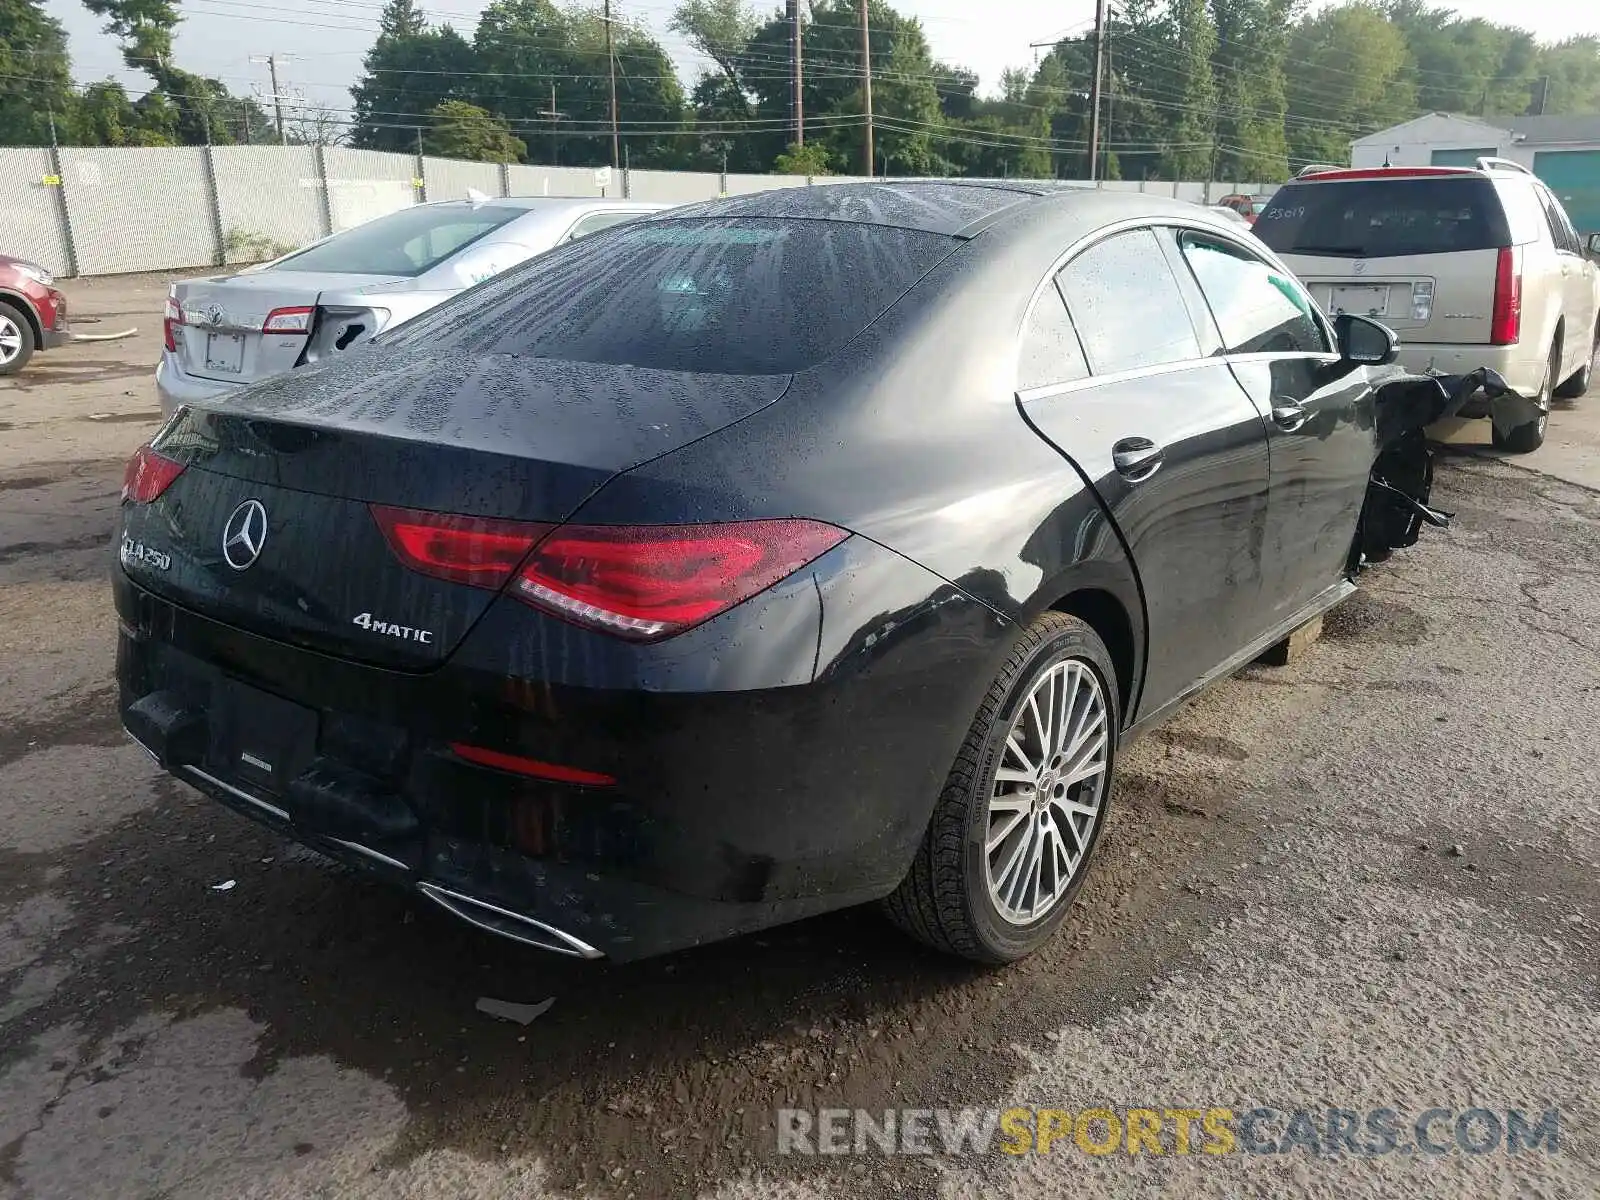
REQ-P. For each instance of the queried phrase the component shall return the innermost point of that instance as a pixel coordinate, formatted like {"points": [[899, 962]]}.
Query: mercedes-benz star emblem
{"points": [[244, 535]]}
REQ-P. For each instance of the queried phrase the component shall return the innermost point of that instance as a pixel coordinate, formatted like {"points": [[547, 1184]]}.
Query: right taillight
{"points": [[171, 322], [147, 475], [647, 582], [1505, 326]]}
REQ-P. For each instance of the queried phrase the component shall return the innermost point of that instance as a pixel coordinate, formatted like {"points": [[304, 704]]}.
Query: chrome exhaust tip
{"points": [[503, 921]]}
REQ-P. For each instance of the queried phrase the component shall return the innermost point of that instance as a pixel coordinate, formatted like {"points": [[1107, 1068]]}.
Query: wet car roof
{"points": [[934, 206]]}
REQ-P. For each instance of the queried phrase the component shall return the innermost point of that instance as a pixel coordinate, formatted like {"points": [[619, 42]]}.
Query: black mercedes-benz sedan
{"points": [[773, 555]]}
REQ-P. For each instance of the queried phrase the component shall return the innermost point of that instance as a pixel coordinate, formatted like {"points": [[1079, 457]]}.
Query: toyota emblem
{"points": [[212, 314], [244, 535]]}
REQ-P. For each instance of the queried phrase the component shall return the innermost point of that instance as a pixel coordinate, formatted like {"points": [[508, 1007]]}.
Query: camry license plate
{"points": [[225, 353], [1362, 301]]}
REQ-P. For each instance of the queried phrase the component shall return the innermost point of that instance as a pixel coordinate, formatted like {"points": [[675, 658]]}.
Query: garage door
{"points": [[1574, 176], [1463, 158]]}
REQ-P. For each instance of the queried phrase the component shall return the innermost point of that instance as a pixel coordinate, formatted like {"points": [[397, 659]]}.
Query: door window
{"points": [[1126, 305], [1050, 350], [1259, 309]]}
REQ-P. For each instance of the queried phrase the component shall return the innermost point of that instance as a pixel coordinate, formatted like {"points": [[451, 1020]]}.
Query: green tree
{"points": [[410, 70], [1569, 77], [34, 79], [1191, 122], [1248, 66], [462, 130], [1351, 77], [809, 159]]}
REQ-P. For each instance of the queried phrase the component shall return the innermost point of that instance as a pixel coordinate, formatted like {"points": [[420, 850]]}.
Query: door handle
{"points": [[1289, 415], [1136, 458]]}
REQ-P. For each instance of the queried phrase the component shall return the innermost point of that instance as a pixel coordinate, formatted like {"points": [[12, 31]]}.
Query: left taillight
{"points": [[470, 550], [648, 582], [171, 322], [289, 320], [147, 475]]}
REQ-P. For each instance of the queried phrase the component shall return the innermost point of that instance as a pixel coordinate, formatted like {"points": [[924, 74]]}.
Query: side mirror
{"points": [[1365, 341], [1594, 244]]}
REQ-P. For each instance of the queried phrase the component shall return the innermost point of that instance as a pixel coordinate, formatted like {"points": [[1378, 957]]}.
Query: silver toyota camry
{"points": [[222, 332]]}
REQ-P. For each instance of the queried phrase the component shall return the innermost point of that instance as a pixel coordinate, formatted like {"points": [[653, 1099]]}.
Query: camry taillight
{"points": [[471, 550], [646, 582], [1505, 326], [147, 475], [171, 322], [289, 320]]}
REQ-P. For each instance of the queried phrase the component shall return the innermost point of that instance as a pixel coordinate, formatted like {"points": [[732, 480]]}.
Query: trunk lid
{"points": [[496, 437], [222, 336]]}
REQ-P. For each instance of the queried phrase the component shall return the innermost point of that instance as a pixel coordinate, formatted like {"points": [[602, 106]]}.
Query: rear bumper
{"points": [[802, 787], [175, 387]]}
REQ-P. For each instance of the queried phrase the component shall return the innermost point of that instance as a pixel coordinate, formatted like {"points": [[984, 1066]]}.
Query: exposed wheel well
{"points": [[28, 315], [1107, 617]]}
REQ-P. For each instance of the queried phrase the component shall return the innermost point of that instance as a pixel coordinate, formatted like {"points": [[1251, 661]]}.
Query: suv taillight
{"points": [[171, 322], [1505, 326]]}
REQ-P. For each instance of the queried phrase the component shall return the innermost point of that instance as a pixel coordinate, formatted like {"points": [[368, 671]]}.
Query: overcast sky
{"points": [[326, 39]]}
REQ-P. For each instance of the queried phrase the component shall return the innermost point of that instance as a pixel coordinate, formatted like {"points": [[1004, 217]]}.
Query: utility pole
{"points": [[554, 117], [798, 71], [1094, 88], [277, 97], [866, 66], [1544, 94], [611, 62]]}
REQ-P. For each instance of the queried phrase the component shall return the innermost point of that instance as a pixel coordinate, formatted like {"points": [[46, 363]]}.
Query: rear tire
{"points": [[1579, 383], [16, 339], [1525, 439], [973, 889]]}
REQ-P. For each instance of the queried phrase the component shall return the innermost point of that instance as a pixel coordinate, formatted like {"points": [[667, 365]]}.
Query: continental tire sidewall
{"points": [[1002, 940]]}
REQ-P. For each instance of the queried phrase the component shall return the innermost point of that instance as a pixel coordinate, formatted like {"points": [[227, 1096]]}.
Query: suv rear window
{"points": [[1380, 218], [743, 296]]}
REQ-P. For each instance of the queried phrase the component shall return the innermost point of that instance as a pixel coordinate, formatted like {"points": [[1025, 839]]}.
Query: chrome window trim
{"points": [[1156, 222]]}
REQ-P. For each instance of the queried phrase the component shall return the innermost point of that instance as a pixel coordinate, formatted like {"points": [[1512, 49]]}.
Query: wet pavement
{"points": [[1364, 880]]}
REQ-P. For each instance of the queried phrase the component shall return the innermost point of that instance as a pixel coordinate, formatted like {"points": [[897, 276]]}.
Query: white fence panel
{"points": [[269, 199], [558, 181], [674, 187], [745, 185], [449, 178], [1193, 192], [139, 208], [363, 184], [30, 213]]}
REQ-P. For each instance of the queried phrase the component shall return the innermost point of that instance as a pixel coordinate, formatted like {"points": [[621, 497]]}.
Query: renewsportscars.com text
{"points": [[1215, 1131]]}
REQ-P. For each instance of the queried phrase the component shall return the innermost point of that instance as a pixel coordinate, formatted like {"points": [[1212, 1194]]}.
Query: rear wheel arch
{"points": [[1108, 616]]}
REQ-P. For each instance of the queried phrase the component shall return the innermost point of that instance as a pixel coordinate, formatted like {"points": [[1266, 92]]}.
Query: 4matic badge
{"points": [[404, 632]]}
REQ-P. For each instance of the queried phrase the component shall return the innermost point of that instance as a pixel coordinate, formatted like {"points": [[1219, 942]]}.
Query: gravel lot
{"points": [[1365, 880]]}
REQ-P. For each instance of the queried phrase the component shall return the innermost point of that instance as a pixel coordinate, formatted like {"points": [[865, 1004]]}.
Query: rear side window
{"points": [[1050, 349], [1126, 305], [407, 242], [1562, 232], [1379, 218], [750, 296], [1258, 308]]}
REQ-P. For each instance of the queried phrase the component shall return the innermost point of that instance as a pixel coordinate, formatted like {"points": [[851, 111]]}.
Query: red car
{"points": [[1248, 207], [33, 315]]}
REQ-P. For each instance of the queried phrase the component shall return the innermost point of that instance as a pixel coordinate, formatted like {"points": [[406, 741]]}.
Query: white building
{"points": [[1563, 151]]}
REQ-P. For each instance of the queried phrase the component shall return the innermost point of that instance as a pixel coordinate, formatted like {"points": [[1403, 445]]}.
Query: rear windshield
{"points": [[746, 296], [407, 242], [1377, 218]]}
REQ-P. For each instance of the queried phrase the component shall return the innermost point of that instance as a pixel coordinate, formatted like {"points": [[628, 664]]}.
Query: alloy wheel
{"points": [[1048, 792], [10, 340]]}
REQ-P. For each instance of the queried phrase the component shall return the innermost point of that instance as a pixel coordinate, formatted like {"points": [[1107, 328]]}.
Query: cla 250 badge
{"points": [[404, 632], [137, 552]]}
